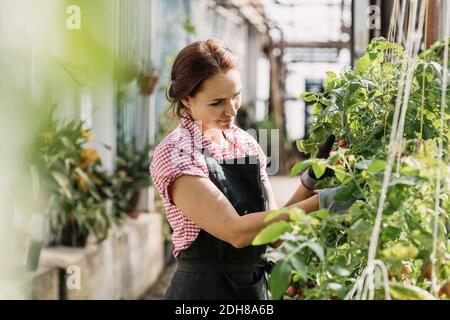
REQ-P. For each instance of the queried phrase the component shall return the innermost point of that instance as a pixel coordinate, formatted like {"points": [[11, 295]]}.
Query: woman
{"points": [[212, 180]]}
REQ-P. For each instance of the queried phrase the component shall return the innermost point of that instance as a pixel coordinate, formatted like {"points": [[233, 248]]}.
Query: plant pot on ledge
{"points": [[70, 236], [132, 206]]}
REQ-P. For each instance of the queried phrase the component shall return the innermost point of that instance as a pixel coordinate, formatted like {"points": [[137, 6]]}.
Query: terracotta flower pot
{"points": [[147, 83], [132, 206], [71, 237]]}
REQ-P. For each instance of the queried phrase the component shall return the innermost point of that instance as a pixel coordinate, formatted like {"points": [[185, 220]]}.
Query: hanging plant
{"points": [[148, 78], [125, 71]]}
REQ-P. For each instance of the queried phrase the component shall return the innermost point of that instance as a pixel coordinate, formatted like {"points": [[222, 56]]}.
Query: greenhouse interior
{"points": [[343, 104]]}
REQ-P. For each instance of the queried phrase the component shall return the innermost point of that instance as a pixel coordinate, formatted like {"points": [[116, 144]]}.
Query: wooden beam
{"points": [[331, 44], [432, 27], [276, 104]]}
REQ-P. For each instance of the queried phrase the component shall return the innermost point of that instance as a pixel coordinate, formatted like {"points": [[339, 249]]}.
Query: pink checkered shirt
{"points": [[179, 154]]}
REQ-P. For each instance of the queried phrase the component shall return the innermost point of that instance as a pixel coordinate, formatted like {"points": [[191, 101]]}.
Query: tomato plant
{"points": [[324, 252]]}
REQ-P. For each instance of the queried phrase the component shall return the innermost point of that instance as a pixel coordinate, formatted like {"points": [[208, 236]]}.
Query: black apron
{"points": [[213, 269]]}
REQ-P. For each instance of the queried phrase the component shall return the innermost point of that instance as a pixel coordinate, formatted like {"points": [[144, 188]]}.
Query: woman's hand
{"points": [[326, 200]]}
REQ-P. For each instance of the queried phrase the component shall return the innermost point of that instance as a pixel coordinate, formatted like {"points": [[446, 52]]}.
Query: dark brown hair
{"points": [[192, 66]]}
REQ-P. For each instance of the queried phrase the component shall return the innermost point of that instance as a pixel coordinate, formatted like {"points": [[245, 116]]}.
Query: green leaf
{"points": [[318, 250], [340, 173], [353, 87], [362, 65], [326, 102], [67, 143], [299, 266], [360, 230], [306, 146], [329, 84], [310, 98], [84, 177], [279, 279], [319, 167], [304, 94], [316, 109], [271, 233], [322, 214], [334, 158], [274, 214], [330, 74], [300, 167], [405, 180], [337, 120], [295, 214], [400, 252], [376, 166], [189, 27], [340, 270], [363, 165], [409, 292], [63, 182]]}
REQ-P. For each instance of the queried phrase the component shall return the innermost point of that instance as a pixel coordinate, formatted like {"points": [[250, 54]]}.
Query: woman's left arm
{"points": [[272, 206], [270, 196], [300, 194]]}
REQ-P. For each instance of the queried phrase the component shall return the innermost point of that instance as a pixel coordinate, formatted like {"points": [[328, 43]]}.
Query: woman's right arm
{"points": [[202, 202]]}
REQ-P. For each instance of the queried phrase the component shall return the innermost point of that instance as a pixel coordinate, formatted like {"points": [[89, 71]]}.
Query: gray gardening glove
{"points": [[326, 200], [308, 178]]}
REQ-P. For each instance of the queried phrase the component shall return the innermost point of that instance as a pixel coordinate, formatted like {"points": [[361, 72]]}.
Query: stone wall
{"points": [[124, 266]]}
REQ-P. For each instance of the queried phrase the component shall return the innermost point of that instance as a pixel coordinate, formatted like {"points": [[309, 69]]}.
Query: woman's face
{"points": [[217, 101]]}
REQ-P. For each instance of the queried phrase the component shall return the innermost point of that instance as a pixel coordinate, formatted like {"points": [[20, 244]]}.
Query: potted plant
{"points": [[71, 177], [147, 78], [133, 173]]}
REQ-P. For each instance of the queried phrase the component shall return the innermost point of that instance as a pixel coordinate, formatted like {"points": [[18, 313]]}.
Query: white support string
{"points": [[393, 21], [437, 209], [397, 130], [365, 285], [417, 37], [416, 41], [402, 23]]}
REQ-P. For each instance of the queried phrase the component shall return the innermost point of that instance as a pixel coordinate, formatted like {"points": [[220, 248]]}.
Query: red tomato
{"points": [[310, 285], [445, 289], [427, 271], [291, 291], [406, 270]]}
